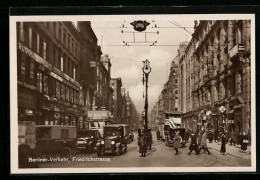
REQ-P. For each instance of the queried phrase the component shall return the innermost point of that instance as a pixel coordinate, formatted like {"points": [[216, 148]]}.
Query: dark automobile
{"points": [[172, 134], [87, 140], [114, 140]]}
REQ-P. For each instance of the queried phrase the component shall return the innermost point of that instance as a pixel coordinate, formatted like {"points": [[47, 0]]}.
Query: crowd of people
{"points": [[199, 139]]}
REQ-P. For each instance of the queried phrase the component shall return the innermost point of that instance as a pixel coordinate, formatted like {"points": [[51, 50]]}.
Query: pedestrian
{"points": [[223, 144], [240, 139], [177, 142], [210, 136], [142, 144], [187, 135], [204, 143], [244, 142], [158, 134], [232, 138], [199, 139], [193, 144], [216, 135]]}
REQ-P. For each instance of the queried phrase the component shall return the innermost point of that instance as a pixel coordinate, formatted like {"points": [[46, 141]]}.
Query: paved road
{"points": [[159, 156]]}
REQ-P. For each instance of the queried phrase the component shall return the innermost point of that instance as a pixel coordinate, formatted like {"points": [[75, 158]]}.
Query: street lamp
{"points": [[146, 70]]}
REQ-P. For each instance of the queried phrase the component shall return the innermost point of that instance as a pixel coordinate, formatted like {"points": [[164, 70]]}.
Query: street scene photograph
{"points": [[132, 93]]}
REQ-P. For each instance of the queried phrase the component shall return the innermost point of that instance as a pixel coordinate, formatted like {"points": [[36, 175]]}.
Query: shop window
{"points": [[45, 85], [39, 81], [58, 89], [62, 89]]}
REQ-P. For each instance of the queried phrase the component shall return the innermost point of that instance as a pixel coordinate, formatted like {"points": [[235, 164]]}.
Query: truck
{"points": [[172, 123], [98, 119]]}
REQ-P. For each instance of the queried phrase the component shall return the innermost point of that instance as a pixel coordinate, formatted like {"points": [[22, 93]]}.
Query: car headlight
{"points": [[113, 142], [102, 142]]}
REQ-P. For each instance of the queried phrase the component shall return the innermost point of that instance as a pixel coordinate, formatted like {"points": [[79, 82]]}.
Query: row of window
{"points": [[65, 38], [60, 90], [65, 63], [39, 44], [27, 70]]}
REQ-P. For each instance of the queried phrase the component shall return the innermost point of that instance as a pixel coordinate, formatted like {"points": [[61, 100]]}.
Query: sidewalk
{"points": [[232, 150]]}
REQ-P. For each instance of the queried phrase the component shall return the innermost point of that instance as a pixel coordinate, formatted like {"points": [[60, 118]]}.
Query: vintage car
{"points": [[87, 140], [169, 140], [114, 140], [55, 139]]}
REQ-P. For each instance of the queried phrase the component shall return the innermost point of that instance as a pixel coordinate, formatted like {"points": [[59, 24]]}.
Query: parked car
{"points": [[87, 140], [114, 140]]}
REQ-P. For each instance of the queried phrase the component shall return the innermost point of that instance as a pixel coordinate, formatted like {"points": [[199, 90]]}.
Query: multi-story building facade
{"points": [[47, 69], [116, 85], [217, 78]]}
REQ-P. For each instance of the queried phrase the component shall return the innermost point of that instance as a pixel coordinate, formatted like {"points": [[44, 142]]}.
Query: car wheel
{"points": [[99, 153], [118, 151], [66, 152]]}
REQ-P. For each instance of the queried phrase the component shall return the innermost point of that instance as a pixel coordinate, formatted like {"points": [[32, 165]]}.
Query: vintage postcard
{"points": [[132, 93]]}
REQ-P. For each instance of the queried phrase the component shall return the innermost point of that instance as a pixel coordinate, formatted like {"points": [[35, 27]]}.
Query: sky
{"points": [[127, 60]]}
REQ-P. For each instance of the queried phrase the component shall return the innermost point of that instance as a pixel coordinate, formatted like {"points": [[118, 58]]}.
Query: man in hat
{"points": [[177, 142]]}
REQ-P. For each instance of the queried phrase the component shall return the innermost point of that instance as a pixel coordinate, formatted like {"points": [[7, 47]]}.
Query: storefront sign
{"points": [[239, 48], [33, 55], [222, 109]]}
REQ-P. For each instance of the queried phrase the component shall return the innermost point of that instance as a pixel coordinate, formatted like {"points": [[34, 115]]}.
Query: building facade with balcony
{"points": [[217, 76]]}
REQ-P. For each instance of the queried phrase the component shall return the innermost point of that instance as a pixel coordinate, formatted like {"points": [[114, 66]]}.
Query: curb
{"points": [[231, 154]]}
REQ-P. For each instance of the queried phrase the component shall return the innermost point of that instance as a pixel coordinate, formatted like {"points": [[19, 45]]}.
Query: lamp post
{"points": [[146, 70]]}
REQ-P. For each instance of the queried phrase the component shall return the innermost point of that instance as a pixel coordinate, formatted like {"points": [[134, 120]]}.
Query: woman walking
{"points": [[223, 144], [193, 144], [244, 142], [177, 142]]}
